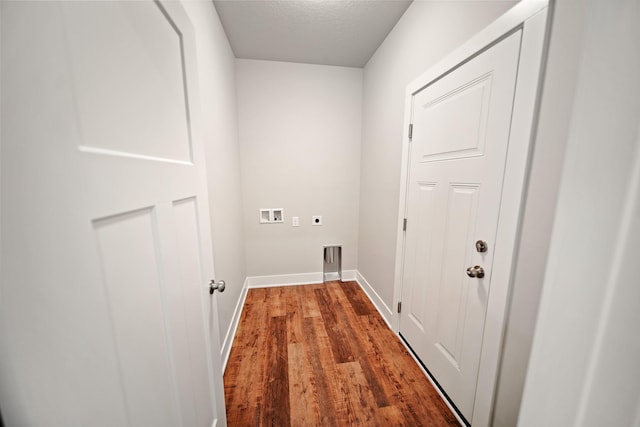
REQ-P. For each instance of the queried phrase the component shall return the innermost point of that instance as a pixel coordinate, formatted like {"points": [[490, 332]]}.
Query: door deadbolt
{"points": [[216, 286], [481, 246], [475, 271]]}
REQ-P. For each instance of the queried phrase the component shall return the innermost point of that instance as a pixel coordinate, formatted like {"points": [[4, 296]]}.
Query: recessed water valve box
{"points": [[265, 216], [271, 216], [278, 216]]}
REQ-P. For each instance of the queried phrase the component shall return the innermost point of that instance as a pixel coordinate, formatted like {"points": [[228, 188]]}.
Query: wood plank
{"points": [[367, 354], [303, 393], [276, 403], [340, 344], [241, 396], [294, 315], [324, 371], [308, 300], [358, 300], [277, 304], [358, 398], [391, 416]]}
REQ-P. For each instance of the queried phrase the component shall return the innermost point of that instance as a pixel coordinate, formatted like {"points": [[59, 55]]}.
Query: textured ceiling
{"points": [[329, 32]]}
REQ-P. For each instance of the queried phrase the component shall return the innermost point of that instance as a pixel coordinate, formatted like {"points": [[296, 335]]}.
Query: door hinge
{"points": [[399, 306], [404, 224], [410, 130]]}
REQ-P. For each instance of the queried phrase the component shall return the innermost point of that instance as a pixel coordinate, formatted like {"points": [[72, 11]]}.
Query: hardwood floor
{"points": [[321, 355]]}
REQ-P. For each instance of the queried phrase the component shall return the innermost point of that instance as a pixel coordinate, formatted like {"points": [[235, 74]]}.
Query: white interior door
{"points": [[105, 314], [458, 152]]}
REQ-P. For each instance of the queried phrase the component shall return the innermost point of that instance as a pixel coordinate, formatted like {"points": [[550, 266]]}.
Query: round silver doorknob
{"points": [[475, 271], [216, 286]]}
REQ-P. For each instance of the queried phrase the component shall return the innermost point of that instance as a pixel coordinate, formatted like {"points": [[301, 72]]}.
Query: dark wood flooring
{"points": [[321, 355]]}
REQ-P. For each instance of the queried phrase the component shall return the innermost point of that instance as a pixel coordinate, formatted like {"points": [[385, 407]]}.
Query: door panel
{"points": [[460, 138], [459, 228], [128, 248], [425, 218], [129, 83], [457, 121]]}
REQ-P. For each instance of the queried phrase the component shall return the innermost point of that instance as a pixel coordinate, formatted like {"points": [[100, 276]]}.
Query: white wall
{"points": [[584, 367], [216, 69], [540, 207], [426, 33], [299, 128]]}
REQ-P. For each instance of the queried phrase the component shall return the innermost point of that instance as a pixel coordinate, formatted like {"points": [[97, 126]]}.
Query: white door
{"points": [[106, 253], [457, 160]]}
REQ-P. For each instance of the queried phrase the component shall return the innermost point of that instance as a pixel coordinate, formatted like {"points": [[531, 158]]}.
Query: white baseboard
{"points": [[284, 280], [233, 327], [294, 279], [383, 309], [349, 275]]}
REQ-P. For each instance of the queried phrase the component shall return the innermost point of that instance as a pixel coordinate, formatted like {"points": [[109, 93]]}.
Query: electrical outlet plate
{"points": [[316, 220]]}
